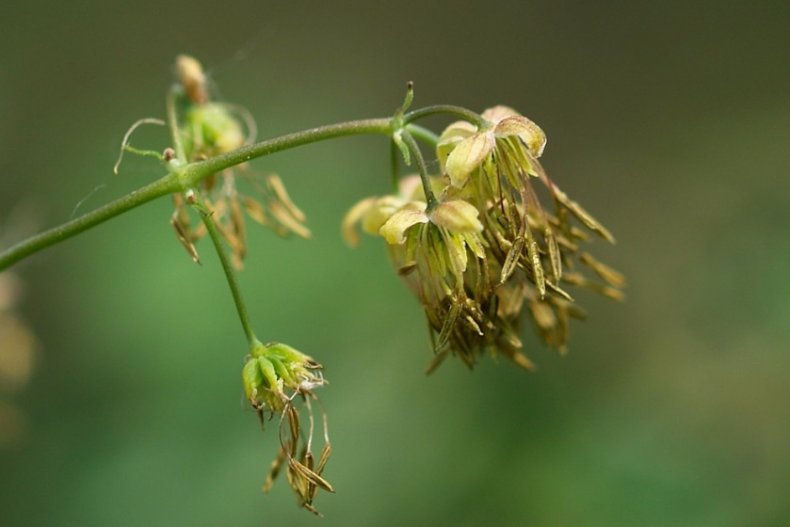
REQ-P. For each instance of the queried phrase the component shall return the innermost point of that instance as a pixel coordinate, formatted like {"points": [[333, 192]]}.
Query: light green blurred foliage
{"points": [[668, 121]]}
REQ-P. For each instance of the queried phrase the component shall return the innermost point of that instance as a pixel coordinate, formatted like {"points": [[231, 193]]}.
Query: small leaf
{"points": [[397, 138]]}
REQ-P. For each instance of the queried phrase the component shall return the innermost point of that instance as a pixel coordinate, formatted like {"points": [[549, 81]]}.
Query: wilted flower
{"points": [[274, 375], [211, 128]]}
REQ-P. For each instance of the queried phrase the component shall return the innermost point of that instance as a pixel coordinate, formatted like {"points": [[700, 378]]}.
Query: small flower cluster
{"points": [[488, 251], [274, 375], [207, 129]]}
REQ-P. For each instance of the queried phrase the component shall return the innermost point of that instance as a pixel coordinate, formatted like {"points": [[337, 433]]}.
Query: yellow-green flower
{"points": [[488, 254], [436, 241], [372, 213], [273, 376], [275, 372], [463, 147]]}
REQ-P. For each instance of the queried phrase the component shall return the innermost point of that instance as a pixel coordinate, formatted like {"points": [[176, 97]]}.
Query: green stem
{"points": [[161, 187], [423, 134], [195, 172], [457, 111], [183, 178], [414, 148], [241, 308], [172, 123]]}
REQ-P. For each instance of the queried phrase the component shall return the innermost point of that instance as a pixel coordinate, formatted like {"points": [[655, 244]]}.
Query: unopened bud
{"points": [[191, 76]]}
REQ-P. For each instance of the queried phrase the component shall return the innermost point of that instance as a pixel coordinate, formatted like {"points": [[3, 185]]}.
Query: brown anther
{"points": [[168, 154]]}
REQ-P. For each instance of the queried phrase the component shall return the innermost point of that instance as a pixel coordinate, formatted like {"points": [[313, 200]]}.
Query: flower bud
{"points": [[191, 76]]}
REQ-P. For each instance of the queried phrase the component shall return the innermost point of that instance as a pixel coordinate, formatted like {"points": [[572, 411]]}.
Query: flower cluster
{"points": [[209, 128], [274, 375], [488, 251]]}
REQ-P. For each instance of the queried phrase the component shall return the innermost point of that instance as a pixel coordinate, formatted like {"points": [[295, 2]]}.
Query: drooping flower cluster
{"points": [[209, 128], [276, 376], [489, 251]]}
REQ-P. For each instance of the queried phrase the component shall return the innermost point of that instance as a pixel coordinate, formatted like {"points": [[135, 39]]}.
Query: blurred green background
{"points": [[668, 120]]}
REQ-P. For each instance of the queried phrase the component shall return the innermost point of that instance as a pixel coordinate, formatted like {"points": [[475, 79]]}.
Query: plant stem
{"points": [[187, 176], [414, 148], [195, 172], [241, 308], [172, 123], [457, 111], [181, 179], [157, 189], [423, 134]]}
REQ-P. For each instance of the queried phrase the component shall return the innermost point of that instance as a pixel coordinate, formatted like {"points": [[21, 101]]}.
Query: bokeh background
{"points": [[668, 120]]}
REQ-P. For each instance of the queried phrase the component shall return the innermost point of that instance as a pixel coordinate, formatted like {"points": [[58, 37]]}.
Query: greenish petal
{"points": [[457, 216], [475, 243], [456, 252], [251, 378], [269, 374], [497, 113], [395, 228], [380, 212], [529, 132], [452, 135], [352, 217], [467, 156]]}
